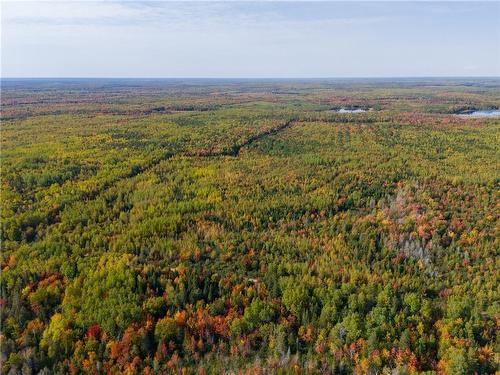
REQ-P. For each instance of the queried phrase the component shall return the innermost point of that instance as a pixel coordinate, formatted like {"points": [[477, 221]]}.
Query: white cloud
{"points": [[64, 11]]}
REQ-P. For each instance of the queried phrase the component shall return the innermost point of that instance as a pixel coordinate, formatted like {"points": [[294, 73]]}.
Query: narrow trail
{"points": [[232, 151], [235, 149]]}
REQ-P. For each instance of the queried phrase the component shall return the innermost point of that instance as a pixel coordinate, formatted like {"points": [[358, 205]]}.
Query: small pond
{"points": [[482, 113], [348, 110]]}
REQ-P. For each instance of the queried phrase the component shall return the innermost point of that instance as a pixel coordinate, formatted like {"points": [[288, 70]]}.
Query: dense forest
{"points": [[248, 227]]}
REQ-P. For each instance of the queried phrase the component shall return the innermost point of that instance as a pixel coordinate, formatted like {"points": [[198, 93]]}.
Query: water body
{"points": [[346, 110], [482, 113]]}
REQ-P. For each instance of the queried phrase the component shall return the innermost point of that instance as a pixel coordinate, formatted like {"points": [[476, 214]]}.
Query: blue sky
{"points": [[250, 39]]}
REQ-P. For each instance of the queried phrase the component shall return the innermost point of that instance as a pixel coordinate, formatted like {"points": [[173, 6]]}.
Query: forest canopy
{"points": [[249, 227]]}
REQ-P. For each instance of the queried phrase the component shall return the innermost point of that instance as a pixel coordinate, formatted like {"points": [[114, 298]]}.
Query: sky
{"points": [[265, 39]]}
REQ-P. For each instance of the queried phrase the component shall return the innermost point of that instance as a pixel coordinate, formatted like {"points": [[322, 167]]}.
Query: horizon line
{"points": [[247, 78]]}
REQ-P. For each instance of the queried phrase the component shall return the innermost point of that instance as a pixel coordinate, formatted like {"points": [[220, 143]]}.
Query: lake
{"points": [[483, 113], [355, 110]]}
